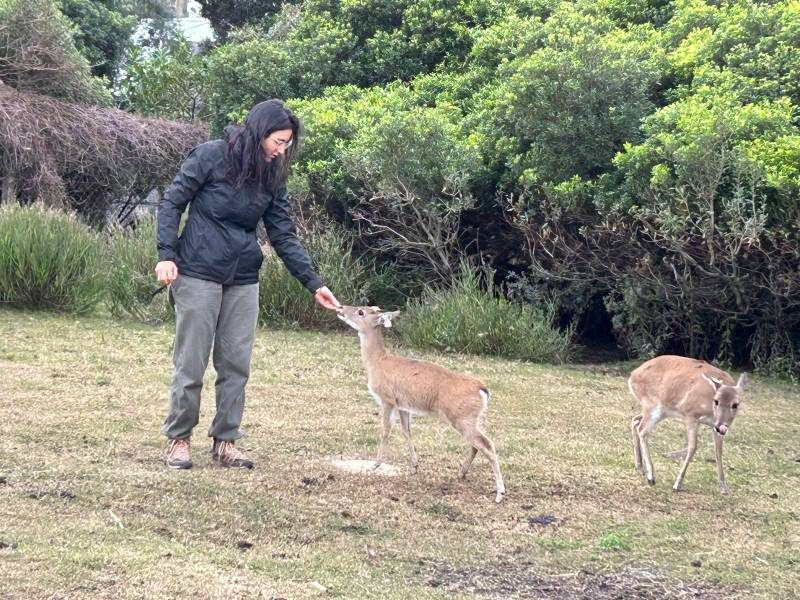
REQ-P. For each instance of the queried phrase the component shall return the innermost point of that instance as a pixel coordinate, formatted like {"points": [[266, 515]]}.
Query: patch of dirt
{"points": [[520, 579], [38, 494], [365, 467], [308, 481], [356, 529], [542, 520]]}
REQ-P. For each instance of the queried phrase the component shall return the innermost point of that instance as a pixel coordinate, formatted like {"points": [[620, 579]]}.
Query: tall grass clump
{"points": [[354, 280], [131, 281], [472, 318], [49, 260]]}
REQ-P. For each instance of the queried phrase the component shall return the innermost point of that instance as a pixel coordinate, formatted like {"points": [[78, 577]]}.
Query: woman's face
{"points": [[276, 143]]}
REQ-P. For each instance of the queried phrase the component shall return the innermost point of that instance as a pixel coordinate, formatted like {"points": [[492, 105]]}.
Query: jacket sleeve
{"points": [[283, 238], [190, 178]]}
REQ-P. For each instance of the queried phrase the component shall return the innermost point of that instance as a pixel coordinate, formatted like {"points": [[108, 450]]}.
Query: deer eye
{"points": [[734, 406], [360, 312], [716, 402]]}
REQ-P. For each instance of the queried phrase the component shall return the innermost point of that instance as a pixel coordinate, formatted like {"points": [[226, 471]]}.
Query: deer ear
{"points": [[386, 318], [742, 381], [713, 381]]}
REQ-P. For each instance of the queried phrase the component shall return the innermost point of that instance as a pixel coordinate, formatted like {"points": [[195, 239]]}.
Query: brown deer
{"points": [[403, 387], [697, 392]]}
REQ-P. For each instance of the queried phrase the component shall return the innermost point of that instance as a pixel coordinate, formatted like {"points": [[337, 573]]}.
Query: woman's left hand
{"points": [[326, 299]]}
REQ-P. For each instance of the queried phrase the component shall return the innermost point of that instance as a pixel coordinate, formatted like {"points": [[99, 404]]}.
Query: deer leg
{"points": [[637, 448], [691, 435], [468, 432], [718, 439], [645, 427], [462, 472], [386, 427], [405, 422], [478, 440]]}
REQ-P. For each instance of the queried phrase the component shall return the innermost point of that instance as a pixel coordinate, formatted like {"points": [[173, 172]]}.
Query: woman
{"points": [[212, 267]]}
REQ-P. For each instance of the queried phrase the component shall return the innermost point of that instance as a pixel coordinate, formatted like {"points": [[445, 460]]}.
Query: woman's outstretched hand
{"points": [[326, 299]]}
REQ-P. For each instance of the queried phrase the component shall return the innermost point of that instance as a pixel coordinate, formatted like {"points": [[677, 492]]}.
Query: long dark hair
{"points": [[248, 165]]}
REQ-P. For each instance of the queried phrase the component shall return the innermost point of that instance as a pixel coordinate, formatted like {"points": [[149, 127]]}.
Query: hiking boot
{"points": [[226, 454], [178, 454]]}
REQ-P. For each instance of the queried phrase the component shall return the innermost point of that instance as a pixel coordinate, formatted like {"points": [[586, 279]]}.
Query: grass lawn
{"points": [[88, 509]]}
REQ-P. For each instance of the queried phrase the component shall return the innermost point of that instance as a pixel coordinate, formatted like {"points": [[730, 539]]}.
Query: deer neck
{"points": [[372, 348]]}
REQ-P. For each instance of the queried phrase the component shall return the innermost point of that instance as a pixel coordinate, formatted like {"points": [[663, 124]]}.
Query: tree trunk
{"points": [[9, 190]]}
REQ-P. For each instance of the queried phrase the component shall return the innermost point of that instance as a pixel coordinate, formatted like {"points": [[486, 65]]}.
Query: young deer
{"points": [[403, 387], [675, 386]]}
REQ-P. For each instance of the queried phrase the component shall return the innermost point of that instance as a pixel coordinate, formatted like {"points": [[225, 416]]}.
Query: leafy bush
{"points": [[170, 82], [396, 168], [469, 318], [566, 108], [244, 73], [754, 43], [317, 44], [284, 301], [694, 251], [225, 15], [131, 282], [414, 200], [49, 260]]}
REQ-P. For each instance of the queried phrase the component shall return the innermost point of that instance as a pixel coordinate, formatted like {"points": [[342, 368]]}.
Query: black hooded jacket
{"points": [[218, 242]]}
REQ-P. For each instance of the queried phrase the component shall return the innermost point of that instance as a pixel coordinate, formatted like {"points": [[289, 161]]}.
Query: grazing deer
{"points": [[675, 386], [403, 387]]}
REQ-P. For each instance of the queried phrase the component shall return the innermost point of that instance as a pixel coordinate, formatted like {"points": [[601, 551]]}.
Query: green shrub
{"points": [[131, 281], [242, 74], [469, 318], [49, 260], [284, 301], [169, 82]]}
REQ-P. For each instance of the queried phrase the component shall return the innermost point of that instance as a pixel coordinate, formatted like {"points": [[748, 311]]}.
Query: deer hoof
{"points": [[723, 489], [651, 481], [499, 498]]}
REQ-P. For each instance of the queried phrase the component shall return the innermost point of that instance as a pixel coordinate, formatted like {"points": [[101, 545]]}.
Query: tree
{"points": [[694, 243], [226, 15], [566, 108], [753, 46], [103, 33], [396, 171], [168, 82], [243, 73]]}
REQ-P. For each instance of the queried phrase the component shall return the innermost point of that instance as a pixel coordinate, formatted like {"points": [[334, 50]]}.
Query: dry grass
{"points": [[87, 509]]}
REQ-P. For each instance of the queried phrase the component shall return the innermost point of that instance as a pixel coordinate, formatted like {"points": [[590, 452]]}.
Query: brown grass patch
{"points": [[88, 510]]}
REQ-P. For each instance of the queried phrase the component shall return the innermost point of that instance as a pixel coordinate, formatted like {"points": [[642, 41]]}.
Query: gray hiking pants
{"points": [[209, 313]]}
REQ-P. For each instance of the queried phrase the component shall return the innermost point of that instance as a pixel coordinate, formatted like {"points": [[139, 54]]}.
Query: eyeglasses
{"points": [[282, 143]]}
